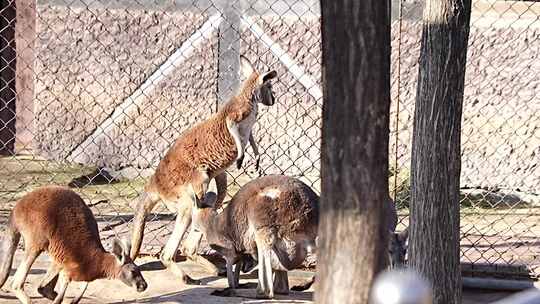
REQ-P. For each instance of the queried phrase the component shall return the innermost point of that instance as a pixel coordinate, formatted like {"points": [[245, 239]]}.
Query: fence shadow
{"points": [[202, 295]]}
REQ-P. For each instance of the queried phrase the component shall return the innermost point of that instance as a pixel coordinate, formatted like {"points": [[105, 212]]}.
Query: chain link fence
{"points": [[98, 91], [500, 179]]}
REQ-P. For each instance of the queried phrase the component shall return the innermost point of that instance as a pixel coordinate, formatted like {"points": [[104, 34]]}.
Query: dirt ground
{"points": [[505, 236], [111, 206], [164, 287]]}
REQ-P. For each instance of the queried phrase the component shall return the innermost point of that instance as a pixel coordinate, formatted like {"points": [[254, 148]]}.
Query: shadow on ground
{"points": [[195, 295]]}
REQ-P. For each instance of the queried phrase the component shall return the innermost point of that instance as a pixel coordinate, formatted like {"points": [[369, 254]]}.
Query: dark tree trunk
{"points": [[436, 163], [7, 77], [354, 161]]}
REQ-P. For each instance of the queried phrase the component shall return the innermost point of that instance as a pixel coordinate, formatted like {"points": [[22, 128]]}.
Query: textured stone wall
{"points": [[500, 130], [89, 62]]}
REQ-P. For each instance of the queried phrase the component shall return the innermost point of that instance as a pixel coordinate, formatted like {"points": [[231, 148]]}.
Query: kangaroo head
{"points": [[200, 180], [263, 89], [127, 272], [202, 202], [397, 248], [248, 263]]}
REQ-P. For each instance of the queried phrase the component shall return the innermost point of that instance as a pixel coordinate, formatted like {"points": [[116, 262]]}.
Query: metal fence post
{"points": [[229, 52], [25, 35], [7, 77]]}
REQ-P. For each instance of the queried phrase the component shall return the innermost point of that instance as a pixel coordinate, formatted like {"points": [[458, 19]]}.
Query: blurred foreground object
{"points": [[400, 286]]}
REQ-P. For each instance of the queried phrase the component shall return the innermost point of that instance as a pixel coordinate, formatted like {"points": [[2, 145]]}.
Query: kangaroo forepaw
{"points": [[189, 281], [239, 162], [257, 163], [48, 293]]}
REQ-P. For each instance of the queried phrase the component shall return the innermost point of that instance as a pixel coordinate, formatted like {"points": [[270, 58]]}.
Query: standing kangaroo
{"points": [[56, 220], [273, 218], [214, 144]]}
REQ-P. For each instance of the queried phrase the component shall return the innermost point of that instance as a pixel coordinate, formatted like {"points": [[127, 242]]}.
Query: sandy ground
{"points": [[506, 236], [164, 287]]}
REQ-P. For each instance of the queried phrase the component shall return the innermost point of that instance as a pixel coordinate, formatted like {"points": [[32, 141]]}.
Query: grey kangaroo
{"points": [[273, 218]]}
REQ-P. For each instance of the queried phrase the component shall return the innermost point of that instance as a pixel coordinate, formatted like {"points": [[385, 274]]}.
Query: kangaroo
{"points": [[396, 244], [273, 218], [398, 248], [56, 220], [216, 144]]}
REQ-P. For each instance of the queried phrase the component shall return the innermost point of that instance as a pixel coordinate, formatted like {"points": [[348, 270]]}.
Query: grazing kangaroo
{"points": [[215, 144], [56, 220], [273, 218], [396, 244]]}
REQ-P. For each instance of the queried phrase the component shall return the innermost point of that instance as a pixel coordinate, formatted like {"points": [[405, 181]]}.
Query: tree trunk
{"points": [[436, 163], [7, 77], [354, 161]]}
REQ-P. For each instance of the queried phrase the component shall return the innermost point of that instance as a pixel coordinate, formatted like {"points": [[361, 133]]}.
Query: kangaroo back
{"points": [[56, 219], [285, 201], [8, 247]]}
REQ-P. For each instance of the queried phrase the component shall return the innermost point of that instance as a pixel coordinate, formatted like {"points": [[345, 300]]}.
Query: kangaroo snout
{"points": [[141, 285]]}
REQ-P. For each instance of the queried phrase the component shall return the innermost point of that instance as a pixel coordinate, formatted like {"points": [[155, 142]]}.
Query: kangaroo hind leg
{"points": [[22, 272], [265, 288], [63, 283], [183, 220], [46, 287], [281, 282]]}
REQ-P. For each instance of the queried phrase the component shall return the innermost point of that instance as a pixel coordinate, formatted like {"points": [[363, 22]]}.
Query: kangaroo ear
{"points": [[246, 68], [118, 250], [212, 186], [403, 236], [127, 247], [191, 194], [269, 75]]}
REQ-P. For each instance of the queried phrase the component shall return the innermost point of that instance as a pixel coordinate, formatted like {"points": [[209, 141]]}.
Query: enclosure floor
{"points": [[490, 236], [164, 287]]}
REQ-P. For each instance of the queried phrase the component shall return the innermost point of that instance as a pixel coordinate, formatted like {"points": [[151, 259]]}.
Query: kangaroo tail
{"points": [[145, 203], [10, 245]]}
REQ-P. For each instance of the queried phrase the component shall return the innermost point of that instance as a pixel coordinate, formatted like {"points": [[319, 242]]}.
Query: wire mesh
{"points": [[103, 89], [499, 178]]}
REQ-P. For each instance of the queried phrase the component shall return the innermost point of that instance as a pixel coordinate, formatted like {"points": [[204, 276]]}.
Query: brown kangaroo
{"points": [[56, 220], [273, 218], [214, 144]]}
